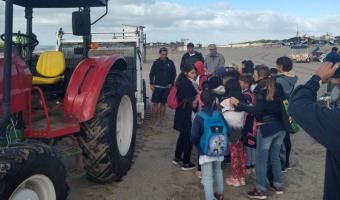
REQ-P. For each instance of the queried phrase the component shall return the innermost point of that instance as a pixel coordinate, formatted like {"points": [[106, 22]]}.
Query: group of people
{"points": [[252, 92]]}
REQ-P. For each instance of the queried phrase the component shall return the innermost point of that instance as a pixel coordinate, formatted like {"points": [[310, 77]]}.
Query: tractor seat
{"points": [[51, 65]]}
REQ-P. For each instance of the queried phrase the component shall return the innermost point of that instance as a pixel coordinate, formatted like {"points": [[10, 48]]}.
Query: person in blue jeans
{"points": [[210, 166], [270, 131]]}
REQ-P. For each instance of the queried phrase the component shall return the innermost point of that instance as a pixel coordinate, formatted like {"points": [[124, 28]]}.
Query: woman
{"points": [[270, 132], [187, 89], [287, 79]]}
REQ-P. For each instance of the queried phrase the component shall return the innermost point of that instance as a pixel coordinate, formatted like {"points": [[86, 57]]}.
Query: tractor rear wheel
{"points": [[108, 139], [31, 170]]}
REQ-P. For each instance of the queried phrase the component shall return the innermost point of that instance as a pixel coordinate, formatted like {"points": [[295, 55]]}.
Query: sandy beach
{"points": [[153, 176]]}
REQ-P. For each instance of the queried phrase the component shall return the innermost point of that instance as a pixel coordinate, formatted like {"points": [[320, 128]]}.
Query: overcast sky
{"points": [[201, 21]]}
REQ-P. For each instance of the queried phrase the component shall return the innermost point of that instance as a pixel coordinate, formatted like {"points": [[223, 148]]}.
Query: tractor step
{"points": [[72, 151], [58, 126], [71, 155], [75, 173]]}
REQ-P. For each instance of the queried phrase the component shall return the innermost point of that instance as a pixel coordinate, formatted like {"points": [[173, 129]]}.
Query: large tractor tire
{"points": [[31, 170], [108, 139]]}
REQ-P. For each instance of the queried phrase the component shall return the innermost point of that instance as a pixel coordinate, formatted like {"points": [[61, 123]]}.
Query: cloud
{"points": [[164, 21]]}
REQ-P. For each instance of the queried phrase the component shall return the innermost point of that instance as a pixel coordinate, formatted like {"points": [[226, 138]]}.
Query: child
{"points": [[211, 166], [246, 81], [235, 120], [247, 67], [273, 72], [206, 85], [201, 77]]}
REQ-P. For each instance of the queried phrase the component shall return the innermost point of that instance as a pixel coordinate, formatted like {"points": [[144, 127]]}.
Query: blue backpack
{"points": [[214, 141]]}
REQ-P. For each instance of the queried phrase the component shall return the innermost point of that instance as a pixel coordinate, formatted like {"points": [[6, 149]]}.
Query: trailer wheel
{"points": [[108, 139], [31, 170]]}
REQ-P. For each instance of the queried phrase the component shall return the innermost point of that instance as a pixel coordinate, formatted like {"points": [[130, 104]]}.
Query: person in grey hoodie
{"points": [[287, 78]]}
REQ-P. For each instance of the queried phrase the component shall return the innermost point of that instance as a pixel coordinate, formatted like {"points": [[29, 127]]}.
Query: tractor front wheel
{"points": [[31, 170], [108, 139]]}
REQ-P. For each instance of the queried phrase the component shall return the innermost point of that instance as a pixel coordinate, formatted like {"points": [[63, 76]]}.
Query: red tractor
{"points": [[45, 102]]}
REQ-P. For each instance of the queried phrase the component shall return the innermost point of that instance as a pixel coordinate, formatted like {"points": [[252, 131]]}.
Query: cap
{"points": [[163, 49], [212, 46], [233, 65], [219, 71], [191, 45]]}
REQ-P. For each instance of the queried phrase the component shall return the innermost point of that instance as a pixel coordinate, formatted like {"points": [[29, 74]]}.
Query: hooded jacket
{"points": [[287, 80], [201, 77], [163, 72], [191, 59], [322, 124]]}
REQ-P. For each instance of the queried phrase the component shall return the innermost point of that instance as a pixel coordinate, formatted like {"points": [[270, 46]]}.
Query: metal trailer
{"points": [[299, 53], [128, 43]]}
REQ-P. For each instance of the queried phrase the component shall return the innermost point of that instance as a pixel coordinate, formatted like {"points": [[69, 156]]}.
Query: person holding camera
{"points": [[321, 123]]}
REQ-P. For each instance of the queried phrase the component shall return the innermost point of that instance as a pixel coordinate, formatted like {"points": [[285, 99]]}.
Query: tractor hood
{"points": [[60, 3]]}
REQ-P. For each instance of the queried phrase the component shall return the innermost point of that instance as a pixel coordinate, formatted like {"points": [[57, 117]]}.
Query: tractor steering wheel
{"points": [[32, 42]]}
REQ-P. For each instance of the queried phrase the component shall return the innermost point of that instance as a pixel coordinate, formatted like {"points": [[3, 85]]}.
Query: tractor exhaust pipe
{"points": [[8, 63]]}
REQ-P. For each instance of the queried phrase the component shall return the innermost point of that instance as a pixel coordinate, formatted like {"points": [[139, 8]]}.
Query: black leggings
{"points": [[288, 144], [184, 145]]}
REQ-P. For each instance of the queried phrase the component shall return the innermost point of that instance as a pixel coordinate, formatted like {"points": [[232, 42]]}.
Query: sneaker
{"points": [[288, 166], [242, 181], [198, 174], [233, 181], [255, 194], [277, 190], [248, 171], [284, 169], [187, 167], [176, 161], [219, 196]]}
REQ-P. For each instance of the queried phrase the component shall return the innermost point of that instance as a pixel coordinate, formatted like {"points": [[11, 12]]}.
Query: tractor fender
{"points": [[21, 83], [86, 83]]}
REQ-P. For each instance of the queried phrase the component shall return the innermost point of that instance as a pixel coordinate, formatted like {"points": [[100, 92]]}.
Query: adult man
{"points": [[191, 56], [213, 60], [333, 56], [321, 123], [162, 77]]}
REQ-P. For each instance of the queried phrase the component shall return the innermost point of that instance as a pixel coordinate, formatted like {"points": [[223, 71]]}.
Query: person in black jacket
{"points": [[270, 132], [187, 89], [162, 76], [191, 57], [321, 123]]}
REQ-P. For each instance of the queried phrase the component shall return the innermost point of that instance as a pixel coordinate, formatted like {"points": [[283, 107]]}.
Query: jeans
{"points": [[210, 170], [268, 146], [184, 145], [250, 154], [288, 144]]}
